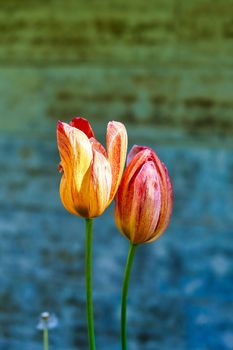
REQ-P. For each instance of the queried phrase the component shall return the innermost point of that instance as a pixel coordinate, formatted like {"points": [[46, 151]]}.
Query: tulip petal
{"points": [[135, 150], [146, 203], [166, 200], [96, 145], [68, 194], [165, 185], [83, 125], [96, 187], [76, 156], [116, 140], [141, 216], [124, 197], [134, 166]]}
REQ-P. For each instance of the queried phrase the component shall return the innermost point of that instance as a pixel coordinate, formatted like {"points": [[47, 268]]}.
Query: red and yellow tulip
{"points": [[91, 174], [144, 199]]}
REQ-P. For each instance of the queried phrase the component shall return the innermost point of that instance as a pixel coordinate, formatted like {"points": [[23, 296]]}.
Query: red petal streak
{"points": [[135, 150], [83, 125], [63, 141], [166, 200], [135, 165], [116, 140], [61, 127], [96, 145], [124, 197], [146, 203], [138, 201]]}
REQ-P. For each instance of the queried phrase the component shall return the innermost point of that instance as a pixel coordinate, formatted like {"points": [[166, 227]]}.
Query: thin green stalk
{"points": [[89, 303], [46, 338], [131, 253]]}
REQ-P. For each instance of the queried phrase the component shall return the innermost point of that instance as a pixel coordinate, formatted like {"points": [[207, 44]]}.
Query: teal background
{"points": [[157, 62], [164, 68]]}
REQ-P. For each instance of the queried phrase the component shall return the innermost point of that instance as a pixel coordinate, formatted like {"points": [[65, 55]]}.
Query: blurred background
{"points": [[164, 68]]}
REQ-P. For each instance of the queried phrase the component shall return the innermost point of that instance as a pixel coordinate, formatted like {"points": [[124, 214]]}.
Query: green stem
{"points": [[129, 263], [89, 305], [46, 339]]}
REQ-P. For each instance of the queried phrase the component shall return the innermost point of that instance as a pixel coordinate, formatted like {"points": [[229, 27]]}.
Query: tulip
{"points": [[144, 199], [91, 175], [143, 209], [90, 179]]}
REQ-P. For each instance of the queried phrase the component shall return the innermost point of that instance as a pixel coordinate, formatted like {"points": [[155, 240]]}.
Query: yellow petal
{"points": [[76, 156], [117, 141], [96, 187]]}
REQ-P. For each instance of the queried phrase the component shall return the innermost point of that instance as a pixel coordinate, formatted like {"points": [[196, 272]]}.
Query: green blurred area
{"points": [[162, 63]]}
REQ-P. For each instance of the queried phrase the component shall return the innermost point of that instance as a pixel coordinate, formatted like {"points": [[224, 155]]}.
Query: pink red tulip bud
{"points": [[144, 199]]}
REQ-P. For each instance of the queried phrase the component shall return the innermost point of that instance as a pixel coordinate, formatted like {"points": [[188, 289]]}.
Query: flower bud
{"points": [[47, 321], [144, 199]]}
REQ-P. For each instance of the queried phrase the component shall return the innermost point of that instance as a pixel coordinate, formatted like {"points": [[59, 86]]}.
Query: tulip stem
{"points": [[89, 303], [131, 253]]}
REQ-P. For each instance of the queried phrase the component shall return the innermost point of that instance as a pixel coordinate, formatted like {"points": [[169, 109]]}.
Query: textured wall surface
{"points": [[157, 62], [165, 68], [181, 288]]}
